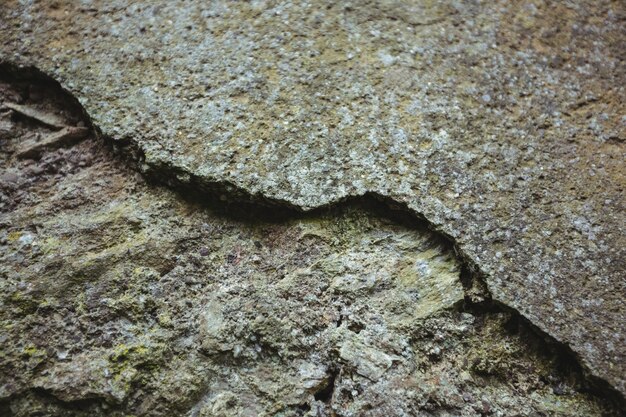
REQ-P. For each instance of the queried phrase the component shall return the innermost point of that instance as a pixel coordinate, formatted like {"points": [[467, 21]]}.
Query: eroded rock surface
{"points": [[502, 122], [123, 298]]}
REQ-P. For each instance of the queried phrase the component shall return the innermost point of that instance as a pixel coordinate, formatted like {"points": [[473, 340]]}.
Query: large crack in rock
{"points": [[501, 122], [120, 297]]}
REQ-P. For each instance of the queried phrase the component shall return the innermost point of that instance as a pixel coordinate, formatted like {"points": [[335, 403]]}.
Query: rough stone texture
{"points": [[119, 298], [503, 123]]}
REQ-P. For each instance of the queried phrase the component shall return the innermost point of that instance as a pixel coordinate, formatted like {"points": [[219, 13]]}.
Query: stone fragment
{"points": [[48, 119], [66, 136]]}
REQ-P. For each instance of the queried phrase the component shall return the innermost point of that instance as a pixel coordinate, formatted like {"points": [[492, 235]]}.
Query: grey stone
{"points": [[502, 124]]}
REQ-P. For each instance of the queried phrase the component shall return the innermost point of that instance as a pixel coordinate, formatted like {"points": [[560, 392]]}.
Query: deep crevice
{"points": [[325, 393], [567, 361]]}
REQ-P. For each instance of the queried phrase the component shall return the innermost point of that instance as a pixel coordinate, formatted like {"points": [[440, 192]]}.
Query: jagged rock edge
{"points": [[236, 200], [81, 404]]}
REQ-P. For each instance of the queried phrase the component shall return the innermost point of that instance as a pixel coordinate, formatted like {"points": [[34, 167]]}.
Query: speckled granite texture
{"points": [[502, 123], [120, 297]]}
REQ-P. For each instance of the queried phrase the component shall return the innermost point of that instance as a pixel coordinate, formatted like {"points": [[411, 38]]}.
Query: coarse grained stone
{"points": [[502, 123], [124, 298]]}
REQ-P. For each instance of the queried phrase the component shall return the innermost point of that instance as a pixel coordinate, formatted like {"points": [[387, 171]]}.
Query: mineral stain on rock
{"points": [[501, 122], [123, 297]]}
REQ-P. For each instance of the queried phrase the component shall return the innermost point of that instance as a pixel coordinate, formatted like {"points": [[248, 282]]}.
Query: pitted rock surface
{"points": [[501, 122], [122, 298]]}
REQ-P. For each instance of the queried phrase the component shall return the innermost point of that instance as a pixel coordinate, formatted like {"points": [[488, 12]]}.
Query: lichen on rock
{"points": [[122, 297], [501, 122]]}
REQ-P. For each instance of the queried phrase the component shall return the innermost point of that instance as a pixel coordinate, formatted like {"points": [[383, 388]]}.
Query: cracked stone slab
{"points": [[501, 122], [120, 297]]}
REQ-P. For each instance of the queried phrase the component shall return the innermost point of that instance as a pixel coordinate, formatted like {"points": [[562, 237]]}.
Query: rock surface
{"points": [[123, 298], [502, 123]]}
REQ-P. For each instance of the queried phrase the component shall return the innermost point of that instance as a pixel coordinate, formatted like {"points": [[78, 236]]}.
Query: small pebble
{"points": [[9, 178]]}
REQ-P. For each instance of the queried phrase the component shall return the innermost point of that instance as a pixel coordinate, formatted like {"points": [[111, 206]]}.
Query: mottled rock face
{"points": [[502, 123], [121, 298]]}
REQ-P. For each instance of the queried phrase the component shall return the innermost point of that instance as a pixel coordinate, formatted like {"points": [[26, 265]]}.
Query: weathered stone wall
{"points": [[125, 298], [501, 123]]}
